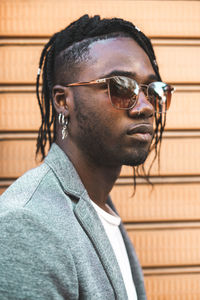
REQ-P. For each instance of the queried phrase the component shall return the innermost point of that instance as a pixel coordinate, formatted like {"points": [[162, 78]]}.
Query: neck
{"points": [[97, 179]]}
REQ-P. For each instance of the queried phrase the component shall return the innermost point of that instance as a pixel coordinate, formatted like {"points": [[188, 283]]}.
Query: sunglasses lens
{"points": [[159, 94], [123, 92]]}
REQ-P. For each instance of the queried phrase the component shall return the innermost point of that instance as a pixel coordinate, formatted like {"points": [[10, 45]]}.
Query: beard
{"points": [[94, 137], [135, 159]]}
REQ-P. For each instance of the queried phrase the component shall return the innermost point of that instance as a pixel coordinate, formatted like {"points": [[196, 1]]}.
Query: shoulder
{"points": [[21, 191], [38, 198]]}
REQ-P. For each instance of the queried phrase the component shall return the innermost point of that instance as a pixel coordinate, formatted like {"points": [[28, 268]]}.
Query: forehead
{"points": [[121, 54]]}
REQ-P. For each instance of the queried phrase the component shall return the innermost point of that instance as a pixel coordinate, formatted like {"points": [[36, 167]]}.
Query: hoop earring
{"points": [[64, 122]]}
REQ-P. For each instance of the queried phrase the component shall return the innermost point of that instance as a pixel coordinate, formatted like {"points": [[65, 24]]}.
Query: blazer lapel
{"points": [[87, 216], [92, 225]]}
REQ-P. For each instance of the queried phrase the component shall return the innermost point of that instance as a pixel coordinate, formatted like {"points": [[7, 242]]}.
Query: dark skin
{"points": [[100, 137]]}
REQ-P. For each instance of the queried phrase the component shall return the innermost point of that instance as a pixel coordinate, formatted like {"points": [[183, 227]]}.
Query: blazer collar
{"points": [[86, 216], [64, 170]]}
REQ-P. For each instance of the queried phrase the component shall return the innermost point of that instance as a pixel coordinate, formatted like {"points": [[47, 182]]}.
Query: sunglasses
{"points": [[124, 92]]}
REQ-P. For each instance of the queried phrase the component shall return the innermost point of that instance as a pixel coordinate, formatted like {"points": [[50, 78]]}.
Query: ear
{"points": [[62, 99]]}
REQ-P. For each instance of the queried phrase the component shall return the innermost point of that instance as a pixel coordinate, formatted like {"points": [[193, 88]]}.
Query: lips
{"points": [[141, 128]]}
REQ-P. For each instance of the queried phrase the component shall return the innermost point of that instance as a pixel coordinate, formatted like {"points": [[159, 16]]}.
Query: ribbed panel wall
{"points": [[23, 60], [162, 220]]}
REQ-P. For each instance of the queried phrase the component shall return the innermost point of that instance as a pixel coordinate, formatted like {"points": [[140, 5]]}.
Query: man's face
{"points": [[103, 134]]}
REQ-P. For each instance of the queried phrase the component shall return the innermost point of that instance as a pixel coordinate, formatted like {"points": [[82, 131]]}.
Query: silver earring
{"points": [[64, 122]]}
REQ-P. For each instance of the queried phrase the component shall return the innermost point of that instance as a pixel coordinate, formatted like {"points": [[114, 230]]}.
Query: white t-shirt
{"points": [[111, 224]]}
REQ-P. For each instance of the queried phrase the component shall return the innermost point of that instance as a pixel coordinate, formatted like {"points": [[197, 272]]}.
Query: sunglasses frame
{"points": [[107, 80]]}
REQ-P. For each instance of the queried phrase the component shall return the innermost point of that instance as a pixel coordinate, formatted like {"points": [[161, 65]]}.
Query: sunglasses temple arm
{"points": [[87, 82]]}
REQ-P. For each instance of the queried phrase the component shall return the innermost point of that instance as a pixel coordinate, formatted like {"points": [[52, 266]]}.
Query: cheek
{"points": [[111, 126], [93, 111]]}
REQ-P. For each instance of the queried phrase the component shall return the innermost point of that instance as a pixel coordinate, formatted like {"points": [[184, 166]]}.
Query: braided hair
{"points": [[69, 47]]}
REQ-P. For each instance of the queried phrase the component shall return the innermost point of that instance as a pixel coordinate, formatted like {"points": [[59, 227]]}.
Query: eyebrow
{"points": [[119, 73], [148, 79], [151, 77]]}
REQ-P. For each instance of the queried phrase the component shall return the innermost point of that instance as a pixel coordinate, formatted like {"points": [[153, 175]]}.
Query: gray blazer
{"points": [[52, 243]]}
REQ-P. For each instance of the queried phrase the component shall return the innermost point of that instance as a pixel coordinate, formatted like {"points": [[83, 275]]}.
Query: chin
{"points": [[135, 160]]}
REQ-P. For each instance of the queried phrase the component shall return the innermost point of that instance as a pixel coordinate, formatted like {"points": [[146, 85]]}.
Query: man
{"points": [[60, 235]]}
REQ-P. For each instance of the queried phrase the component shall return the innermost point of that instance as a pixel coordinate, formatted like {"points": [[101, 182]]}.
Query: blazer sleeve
{"points": [[33, 263]]}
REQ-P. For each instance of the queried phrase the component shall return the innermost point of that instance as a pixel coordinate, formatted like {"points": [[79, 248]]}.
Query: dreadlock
{"points": [[67, 48]]}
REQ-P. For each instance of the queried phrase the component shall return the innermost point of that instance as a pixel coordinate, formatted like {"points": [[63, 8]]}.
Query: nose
{"points": [[143, 108]]}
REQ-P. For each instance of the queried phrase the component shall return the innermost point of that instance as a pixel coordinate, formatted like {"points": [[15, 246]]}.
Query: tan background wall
{"points": [[163, 223]]}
